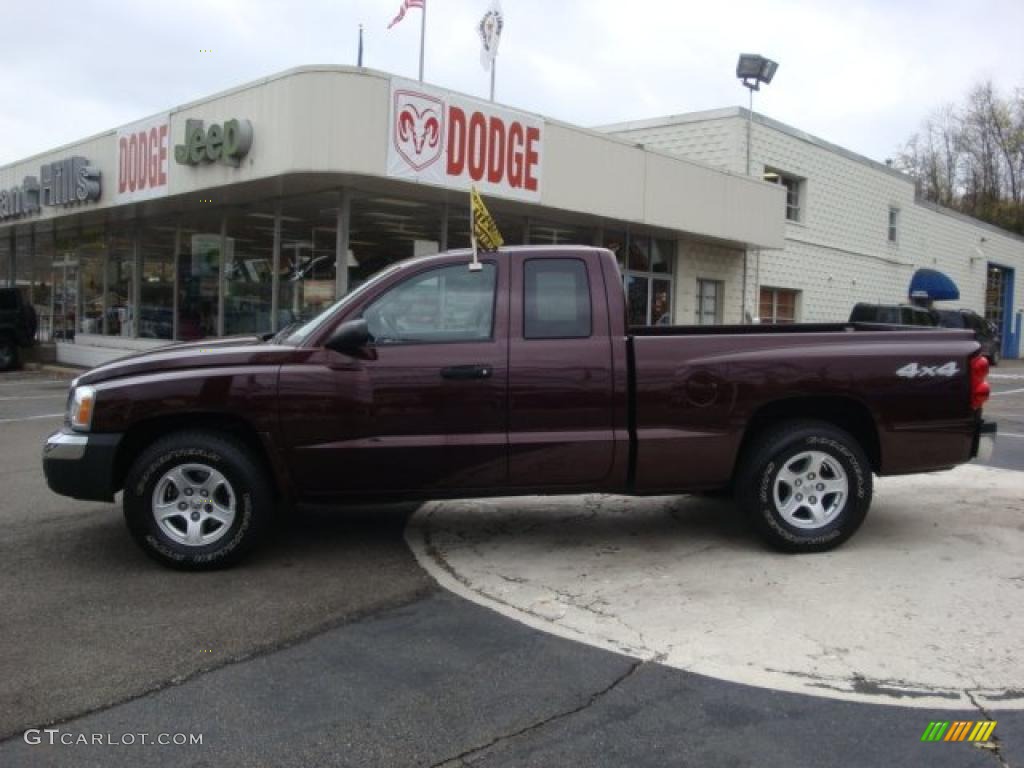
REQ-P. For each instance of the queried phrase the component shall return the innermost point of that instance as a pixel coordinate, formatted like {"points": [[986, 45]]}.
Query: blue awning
{"points": [[932, 284]]}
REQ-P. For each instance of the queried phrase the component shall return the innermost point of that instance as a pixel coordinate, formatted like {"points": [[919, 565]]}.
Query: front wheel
{"points": [[806, 486], [197, 500]]}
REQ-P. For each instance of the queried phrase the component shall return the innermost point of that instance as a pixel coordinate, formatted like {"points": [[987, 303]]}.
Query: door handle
{"points": [[464, 372]]}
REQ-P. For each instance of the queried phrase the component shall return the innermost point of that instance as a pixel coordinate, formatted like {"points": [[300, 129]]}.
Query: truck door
{"points": [[427, 410], [560, 373]]}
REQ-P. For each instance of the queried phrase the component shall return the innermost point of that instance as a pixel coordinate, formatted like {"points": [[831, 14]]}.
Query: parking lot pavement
{"points": [[88, 620], [443, 682], [919, 607], [1006, 408]]}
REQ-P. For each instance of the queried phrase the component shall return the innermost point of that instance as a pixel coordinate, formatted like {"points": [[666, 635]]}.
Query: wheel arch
{"points": [[144, 433], [846, 413]]}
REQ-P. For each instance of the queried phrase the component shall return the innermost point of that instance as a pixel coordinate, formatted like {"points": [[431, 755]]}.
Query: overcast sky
{"points": [[861, 74]]}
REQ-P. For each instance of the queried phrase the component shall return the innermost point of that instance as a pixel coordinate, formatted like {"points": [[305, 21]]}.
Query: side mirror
{"points": [[350, 338]]}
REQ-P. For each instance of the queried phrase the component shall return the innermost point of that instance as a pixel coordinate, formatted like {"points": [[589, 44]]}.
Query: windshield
{"points": [[298, 335]]}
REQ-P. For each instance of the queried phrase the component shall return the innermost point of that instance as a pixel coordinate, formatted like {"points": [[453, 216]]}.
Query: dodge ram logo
{"points": [[419, 128]]}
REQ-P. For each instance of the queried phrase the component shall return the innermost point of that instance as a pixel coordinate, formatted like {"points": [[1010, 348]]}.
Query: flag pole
{"points": [[475, 265], [360, 60], [494, 66], [423, 34]]}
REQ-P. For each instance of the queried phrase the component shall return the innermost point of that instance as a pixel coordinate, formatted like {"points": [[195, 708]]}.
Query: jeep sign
{"points": [[446, 139], [227, 144]]}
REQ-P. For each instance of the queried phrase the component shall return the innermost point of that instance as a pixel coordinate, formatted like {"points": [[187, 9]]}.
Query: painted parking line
{"points": [[1008, 434], [55, 396], [32, 418], [918, 609], [1008, 392]]}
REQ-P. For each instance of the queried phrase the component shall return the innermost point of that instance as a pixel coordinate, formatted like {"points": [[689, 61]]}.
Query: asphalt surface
{"points": [[89, 620], [331, 646], [445, 682], [1006, 407]]}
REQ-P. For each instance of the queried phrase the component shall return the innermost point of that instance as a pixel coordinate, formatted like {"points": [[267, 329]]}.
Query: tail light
{"points": [[980, 390]]}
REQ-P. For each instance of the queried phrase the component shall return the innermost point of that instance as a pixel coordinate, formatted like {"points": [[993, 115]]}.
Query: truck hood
{"points": [[223, 352]]}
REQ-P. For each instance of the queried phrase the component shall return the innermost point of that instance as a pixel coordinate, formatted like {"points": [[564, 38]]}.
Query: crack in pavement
{"points": [[246, 656], [996, 747], [460, 758]]}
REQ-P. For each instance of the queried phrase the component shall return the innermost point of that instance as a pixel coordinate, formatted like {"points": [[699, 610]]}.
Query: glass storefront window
{"points": [[511, 227], [639, 253], [553, 233], [89, 249], [649, 291], [663, 254], [308, 277], [198, 275], [5, 258], [156, 293], [120, 316], [248, 274], [387, 229], [661, 302], [23, 264], [637, 289], [616, 243]]}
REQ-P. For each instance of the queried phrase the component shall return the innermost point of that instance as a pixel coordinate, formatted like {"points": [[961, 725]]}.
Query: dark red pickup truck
{"points": [[433, 380]]}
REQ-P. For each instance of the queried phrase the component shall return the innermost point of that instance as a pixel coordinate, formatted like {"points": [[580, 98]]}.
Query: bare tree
{"points": [[971, 157]]}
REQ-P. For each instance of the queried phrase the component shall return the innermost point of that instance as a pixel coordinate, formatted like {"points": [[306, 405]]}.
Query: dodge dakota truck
{"points": [[435, 380]]}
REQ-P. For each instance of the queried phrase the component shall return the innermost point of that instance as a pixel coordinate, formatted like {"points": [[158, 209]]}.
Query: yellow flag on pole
{"points": [[486, 236]]}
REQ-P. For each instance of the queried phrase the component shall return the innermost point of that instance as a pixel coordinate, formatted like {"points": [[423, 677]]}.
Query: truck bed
{"points": [[696, 389], [785, 329]]}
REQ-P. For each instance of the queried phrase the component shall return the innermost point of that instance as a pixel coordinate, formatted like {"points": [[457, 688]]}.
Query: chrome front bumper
{"points": [[81, 466], [65, 446]]}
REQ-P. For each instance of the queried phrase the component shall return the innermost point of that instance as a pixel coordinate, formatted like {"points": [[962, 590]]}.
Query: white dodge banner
{"points": [[442, 138], [143, 156]]}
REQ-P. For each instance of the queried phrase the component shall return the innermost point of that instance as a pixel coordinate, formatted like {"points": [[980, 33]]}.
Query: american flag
{"points": [[406, 5]]}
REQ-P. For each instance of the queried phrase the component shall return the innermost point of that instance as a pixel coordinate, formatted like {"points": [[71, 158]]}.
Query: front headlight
{"points": [[83, 403]]}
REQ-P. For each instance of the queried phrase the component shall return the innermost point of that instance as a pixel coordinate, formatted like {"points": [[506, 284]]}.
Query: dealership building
{"points": [[252, 208]]}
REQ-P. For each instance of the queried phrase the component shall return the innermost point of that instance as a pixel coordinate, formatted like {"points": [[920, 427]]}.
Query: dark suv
{"points": [[892, 314], [17, 326], [984, 331], [908, 314]]}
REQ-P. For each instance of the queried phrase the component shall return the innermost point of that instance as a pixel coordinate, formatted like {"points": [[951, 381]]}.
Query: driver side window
{"points": [[441, 305]]}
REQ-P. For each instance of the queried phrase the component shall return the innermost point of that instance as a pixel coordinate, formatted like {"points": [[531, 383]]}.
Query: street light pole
{"points": [[752, 70]]}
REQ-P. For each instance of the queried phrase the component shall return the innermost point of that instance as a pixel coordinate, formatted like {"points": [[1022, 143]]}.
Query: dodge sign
{"points": [[446, 139]]}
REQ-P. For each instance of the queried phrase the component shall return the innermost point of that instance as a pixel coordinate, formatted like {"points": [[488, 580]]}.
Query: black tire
{"points": [[9, 359], [780, 449], [246, 482], [993, 359]]}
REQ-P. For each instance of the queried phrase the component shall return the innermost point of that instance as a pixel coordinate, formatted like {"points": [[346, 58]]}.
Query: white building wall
{"points": [[701, 261], [839, 253]]}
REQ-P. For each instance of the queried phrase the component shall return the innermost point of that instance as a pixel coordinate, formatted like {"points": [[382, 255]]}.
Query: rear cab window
{"points": [[556, 299]]}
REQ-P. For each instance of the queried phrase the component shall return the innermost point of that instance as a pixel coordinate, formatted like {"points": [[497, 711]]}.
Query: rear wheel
{"points": [[806, 486], [197, 500]]}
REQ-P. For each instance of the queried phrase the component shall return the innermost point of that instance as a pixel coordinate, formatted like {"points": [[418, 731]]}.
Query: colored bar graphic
{"points": [[985, 734], [959, 730]]}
